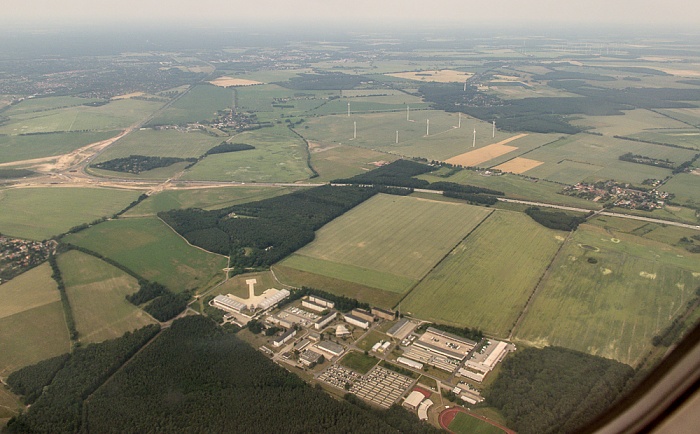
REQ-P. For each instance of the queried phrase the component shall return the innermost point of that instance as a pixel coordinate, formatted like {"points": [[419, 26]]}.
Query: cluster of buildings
{"points": [[17, 256], [620, 195]]}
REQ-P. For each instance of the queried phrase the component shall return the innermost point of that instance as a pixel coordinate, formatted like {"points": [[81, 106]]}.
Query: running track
{"points": [[449, 414]]}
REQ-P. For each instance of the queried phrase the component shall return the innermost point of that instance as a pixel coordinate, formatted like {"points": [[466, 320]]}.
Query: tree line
{"points": [[558, 220], [139, 163]]}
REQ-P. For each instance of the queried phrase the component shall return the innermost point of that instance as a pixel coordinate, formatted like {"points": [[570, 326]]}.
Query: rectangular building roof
{"points": [[330, 347], [396, 327]]}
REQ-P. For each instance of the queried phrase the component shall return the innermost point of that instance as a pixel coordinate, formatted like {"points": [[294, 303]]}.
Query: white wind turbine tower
{"points": [[474, 142], [459, 120], [348, 109], [427, 127], [408, 108], [397, 137], [354, 130], [493, 134]]}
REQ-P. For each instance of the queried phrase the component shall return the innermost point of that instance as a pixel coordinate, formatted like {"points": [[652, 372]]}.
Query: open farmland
{"points": [[18, 148], [201, 103], [398, 235], [39, 213], [341, 161], [686, 187], [204, 198], [279, 156], [486, 280], [614, 307], [32, 325], [154, 251], [114, 115], [438, 76], [30, 105], [166, 143], [97, 291]]}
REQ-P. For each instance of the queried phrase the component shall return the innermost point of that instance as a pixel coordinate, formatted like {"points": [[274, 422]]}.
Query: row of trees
{"points": [[558, 220], [474, 334], [67, 310], [139, 163]]}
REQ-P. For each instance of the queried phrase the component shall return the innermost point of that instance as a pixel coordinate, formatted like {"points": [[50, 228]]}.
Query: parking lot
{"points": [[338, 376]]}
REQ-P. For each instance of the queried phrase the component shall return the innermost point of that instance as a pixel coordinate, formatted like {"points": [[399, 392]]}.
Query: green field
{"points": [[487, 279], [165, 143], [358, 362], [614, 307], [465, 424], [260, 100], [18, 148], [631, 122], [204, 198], [370, 339], [686, 187], [154, 251], [97, 291], [32, 324], [39, 213], [114, 115], [279, 156], [399, 235], [341, 161], [47, 103], [201, 103]]}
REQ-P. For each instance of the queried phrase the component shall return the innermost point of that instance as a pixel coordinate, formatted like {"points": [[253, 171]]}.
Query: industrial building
{"points": [[321, 301], [286, 337], [411, 363], [325, 320], [445, 344], [270, 298], [413, 400], [356, 321], [310, 358], [227, 303], [363, 314], [383, 313], [330, 347], [481, 364]]}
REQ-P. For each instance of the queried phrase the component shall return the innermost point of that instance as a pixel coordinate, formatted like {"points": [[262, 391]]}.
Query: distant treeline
{"points": [[258, 234], [342, 303], [67, 310], [140, 163], [474, 334], [324, 81], [558, 220], [399, 173], [59, 407], [555, 389], [229, 147], [649, 161], [15, 173]]}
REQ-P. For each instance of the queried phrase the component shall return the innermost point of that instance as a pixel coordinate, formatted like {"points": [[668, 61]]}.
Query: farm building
{"points": [[383, 313], [408, 362], [401, 329], [284, 338], [325, 320], [321, 301], [413, 400], [363, 314], [330, 347], [313, 306], [226, 303], [359, 322], [445, 344]]}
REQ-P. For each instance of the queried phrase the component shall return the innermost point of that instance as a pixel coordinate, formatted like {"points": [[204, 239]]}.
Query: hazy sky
{"points": [[463, 12]]}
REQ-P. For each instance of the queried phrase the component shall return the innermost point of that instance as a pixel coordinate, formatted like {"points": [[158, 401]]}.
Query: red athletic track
{"points": [[425, 393], [448, 415]]}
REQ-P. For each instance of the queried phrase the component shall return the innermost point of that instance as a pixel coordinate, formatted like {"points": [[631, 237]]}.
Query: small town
{"points": [[17, 255], [617, 194]]}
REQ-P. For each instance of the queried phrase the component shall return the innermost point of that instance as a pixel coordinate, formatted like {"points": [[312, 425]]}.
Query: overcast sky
{"points": [[463, 12]]}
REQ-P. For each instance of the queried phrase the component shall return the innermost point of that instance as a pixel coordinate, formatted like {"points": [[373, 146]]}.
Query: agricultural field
{"points": [[686, 188], [609, 293], [116, 114], [96, 291], [377, 131], [342, 161], [30, 105], [687, 137], [151, 249], [32, 324], [40, 213], [486, 280], [387, 236], [260, 100], [438, 76], [18, 148], [631, 122], [369, 104], [204, 198], [201, 103], [165, 143], [279, 156]]}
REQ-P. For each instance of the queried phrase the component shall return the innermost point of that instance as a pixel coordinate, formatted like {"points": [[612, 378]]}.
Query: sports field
{"points": [[39, 213], [486, 280], [398, 235], [32, 325], [279, 156], [615, 306], [165, 143], [153, 250], [465, 424], [204, 198], [18, 148], [97, 291]]}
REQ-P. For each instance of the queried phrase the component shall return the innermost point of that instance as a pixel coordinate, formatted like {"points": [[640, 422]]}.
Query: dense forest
{"points": [[400, 173], [139, 163], [29, 382], [558, 220], [324, 81], [59, 408], [555, 389], [258, 234], [196, 377]]}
